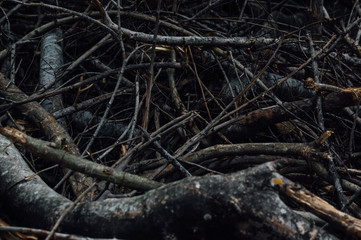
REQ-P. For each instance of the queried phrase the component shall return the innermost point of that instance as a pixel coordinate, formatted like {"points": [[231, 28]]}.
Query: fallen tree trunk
{"points": [[235, 205]]}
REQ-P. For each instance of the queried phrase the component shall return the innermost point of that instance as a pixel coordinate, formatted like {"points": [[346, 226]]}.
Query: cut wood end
{"points": [[13, 134], [277, 181], [324, 136], [356, 94], [309, 83]]}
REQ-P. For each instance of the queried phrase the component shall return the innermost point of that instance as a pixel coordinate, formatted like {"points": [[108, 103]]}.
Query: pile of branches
{"points": [[180, 119]]}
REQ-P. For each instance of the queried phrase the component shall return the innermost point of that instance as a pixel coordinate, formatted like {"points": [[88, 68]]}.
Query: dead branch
{"points": [[48, 151]]}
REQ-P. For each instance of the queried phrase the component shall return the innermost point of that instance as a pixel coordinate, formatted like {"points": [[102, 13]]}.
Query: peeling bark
{"points": [[252, 122]]}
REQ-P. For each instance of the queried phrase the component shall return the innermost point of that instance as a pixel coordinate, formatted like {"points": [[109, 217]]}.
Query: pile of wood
{"points": [[180, 119]]}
